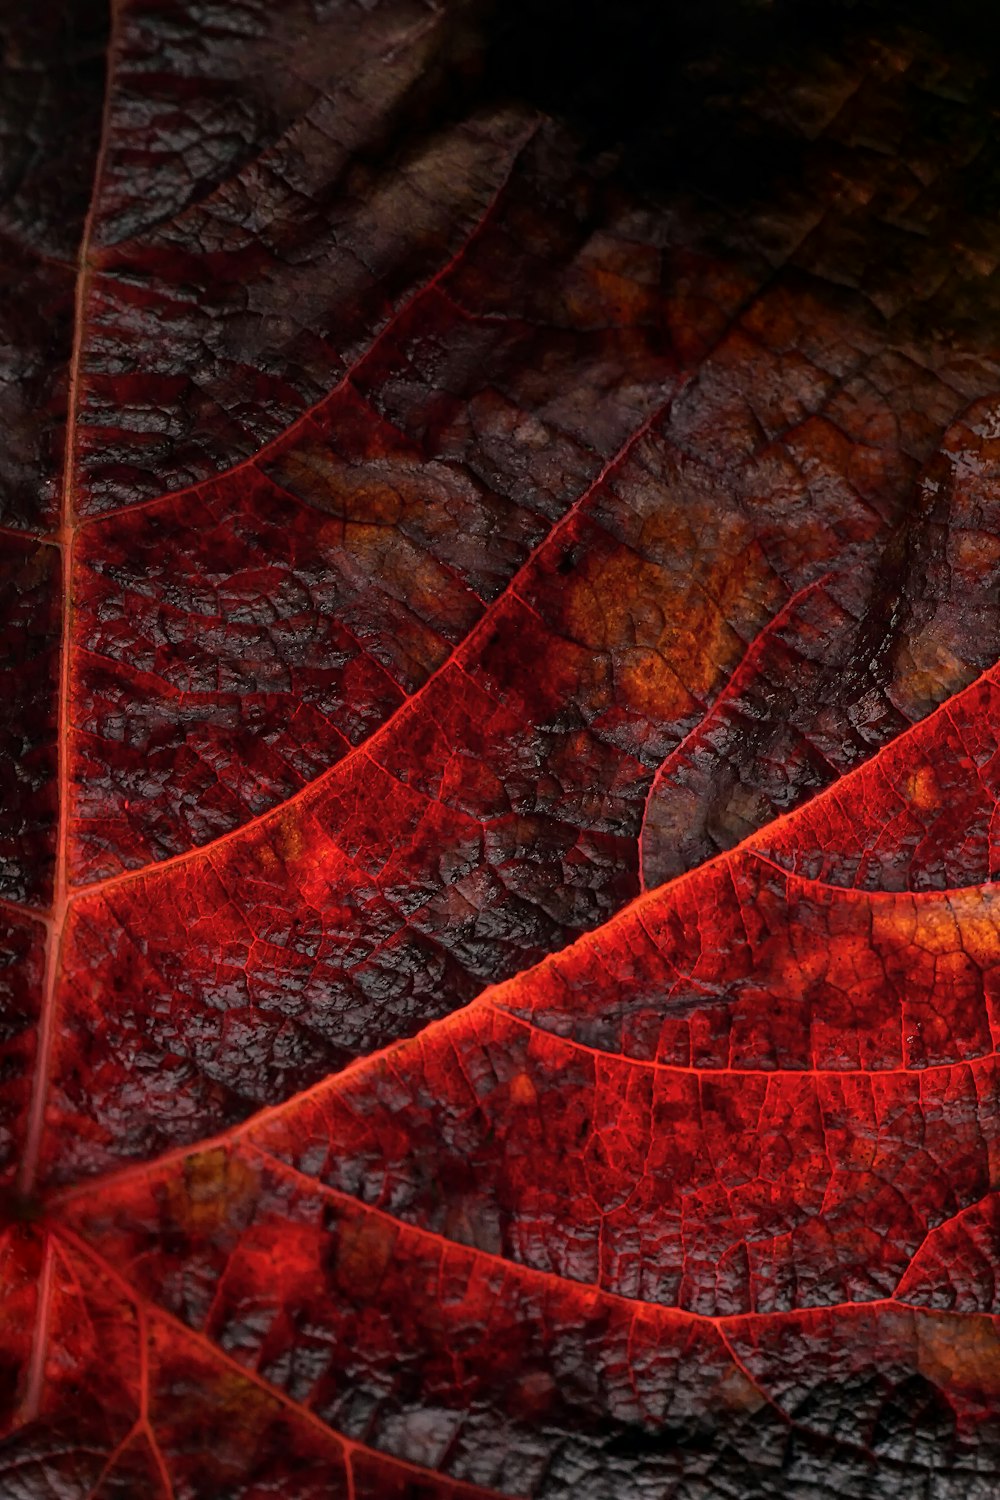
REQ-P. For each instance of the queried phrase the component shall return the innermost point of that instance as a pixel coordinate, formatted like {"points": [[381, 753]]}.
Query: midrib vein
{"points": [[56, 920]]}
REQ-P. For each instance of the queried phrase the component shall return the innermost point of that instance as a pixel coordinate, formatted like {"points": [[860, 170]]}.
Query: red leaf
{"points": [[500, 987]]}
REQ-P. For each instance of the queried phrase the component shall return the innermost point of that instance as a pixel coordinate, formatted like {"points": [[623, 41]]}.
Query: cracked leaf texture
{"points": [[500, 582]]}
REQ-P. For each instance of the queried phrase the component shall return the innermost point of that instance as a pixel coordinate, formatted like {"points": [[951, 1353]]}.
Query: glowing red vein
{"points": [[56, 922]]}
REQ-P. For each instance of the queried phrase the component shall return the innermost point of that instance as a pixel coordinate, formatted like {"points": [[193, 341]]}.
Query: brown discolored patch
{"points": [[216, 1186]]}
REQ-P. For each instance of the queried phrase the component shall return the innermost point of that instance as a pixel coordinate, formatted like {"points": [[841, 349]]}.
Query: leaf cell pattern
{"points": [[501, 959]]}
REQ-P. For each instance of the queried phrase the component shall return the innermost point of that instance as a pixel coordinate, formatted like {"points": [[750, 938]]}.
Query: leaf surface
{"points": [[500, 953]]}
